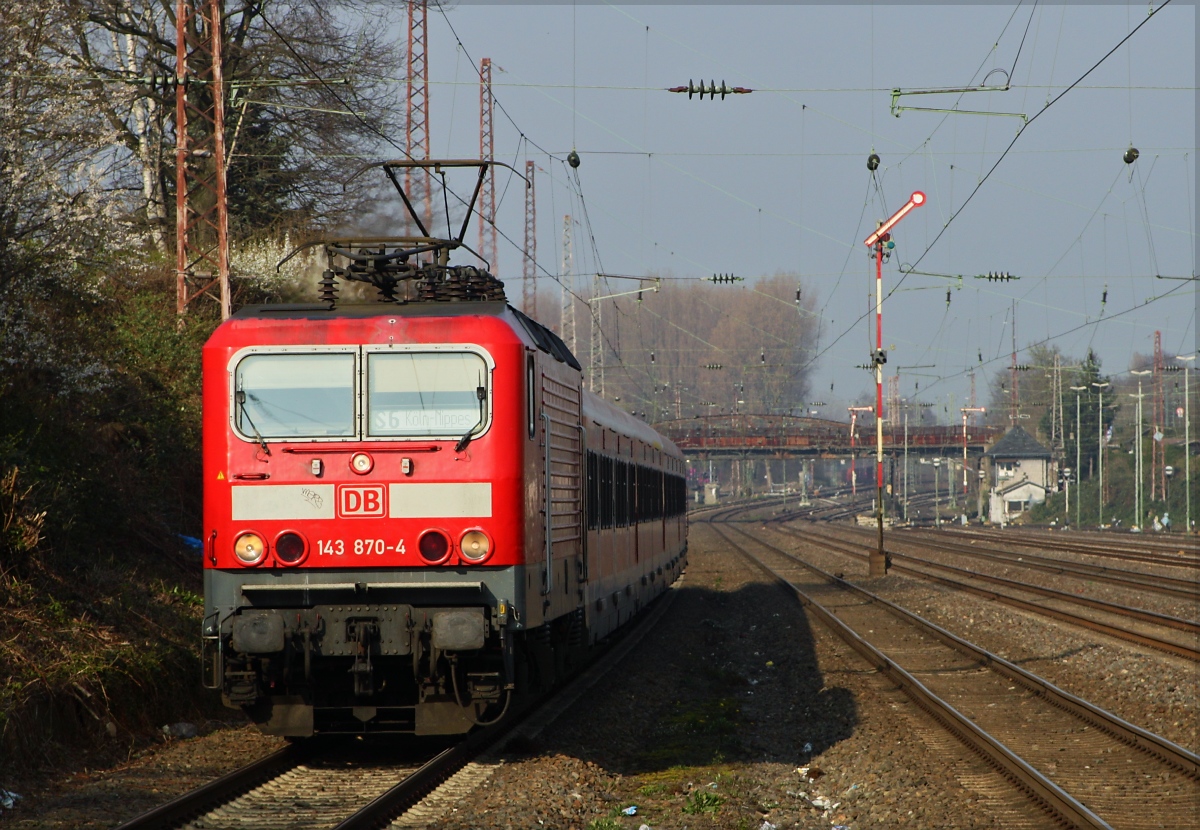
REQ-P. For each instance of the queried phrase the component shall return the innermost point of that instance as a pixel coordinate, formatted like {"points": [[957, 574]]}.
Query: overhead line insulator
{"points": [[712, 90]]}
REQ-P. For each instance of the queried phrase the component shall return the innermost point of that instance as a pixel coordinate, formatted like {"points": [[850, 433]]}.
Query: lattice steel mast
{"points": [[596, 363], [529, 275], [201, 218], [567, 315], [1158, 460], [417, 183], [487, 194], [1014, 406]]}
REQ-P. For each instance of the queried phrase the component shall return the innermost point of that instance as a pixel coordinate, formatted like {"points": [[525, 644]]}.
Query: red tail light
{"points": [[290, 548], [433, 546]]}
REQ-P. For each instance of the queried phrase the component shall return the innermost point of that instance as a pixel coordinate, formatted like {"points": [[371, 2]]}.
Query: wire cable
{"points": [[1026, 126], [981, 182]]}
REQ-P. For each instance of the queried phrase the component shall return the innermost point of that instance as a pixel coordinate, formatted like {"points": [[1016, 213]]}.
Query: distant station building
{"points": [[1021, 476]]}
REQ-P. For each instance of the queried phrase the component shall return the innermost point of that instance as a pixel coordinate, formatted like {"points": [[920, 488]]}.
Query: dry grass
{"points": [[93, 657]]}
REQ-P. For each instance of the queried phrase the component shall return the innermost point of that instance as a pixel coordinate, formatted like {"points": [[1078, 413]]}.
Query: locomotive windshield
{"points": [[425, 394], [296, 395]]}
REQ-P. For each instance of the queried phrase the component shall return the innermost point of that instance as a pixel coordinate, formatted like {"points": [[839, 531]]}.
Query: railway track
{"points": [[1179, 553], [1168, 634], [1086, 767], [1184, 588], [319, 784], [354, 785]]}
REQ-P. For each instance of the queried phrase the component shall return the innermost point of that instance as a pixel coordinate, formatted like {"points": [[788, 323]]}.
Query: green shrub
{"points": [[703, 801]]}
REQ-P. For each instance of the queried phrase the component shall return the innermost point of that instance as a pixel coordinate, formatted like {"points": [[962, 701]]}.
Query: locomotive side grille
{"points": [[562, 405]]}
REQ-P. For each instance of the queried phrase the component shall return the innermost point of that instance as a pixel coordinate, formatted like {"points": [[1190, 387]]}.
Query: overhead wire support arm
{"points": [[637, 291], [990, 276], [910, 270], [656, 280], [896, 109]]}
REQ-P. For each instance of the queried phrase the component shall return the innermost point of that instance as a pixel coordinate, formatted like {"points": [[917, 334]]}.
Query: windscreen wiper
{"points": [[240, 397], [481, 394]]}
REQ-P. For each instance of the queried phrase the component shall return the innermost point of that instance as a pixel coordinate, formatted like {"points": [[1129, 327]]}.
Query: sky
{"points": [[777, 180]]}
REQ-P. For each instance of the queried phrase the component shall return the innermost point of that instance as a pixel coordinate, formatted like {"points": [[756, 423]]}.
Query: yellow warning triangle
{"points": [[220, 476]]}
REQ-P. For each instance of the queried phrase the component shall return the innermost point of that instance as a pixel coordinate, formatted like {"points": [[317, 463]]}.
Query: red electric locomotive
{"points": [[412, 508]]}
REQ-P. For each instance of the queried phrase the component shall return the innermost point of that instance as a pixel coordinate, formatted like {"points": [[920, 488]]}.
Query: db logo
{"points": [[360, 500]]}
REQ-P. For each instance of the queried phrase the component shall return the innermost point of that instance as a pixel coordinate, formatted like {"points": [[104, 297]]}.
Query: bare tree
{"points": [[59, 225], [308, 100], [696, 348], [1035, 389]]}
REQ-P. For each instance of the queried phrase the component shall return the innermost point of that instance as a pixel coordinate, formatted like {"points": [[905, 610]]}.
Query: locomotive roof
{"points": [[322, 311], [543, 338]]}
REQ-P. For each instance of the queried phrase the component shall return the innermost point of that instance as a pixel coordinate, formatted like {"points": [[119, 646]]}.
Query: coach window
{"points": [[294, 395], [621, 496], [606, 492], [593, 490], [426, 394], [531, 395]]}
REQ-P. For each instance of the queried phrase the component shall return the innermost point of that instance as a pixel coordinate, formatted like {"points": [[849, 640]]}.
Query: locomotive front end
{"points": [[363, 511]]}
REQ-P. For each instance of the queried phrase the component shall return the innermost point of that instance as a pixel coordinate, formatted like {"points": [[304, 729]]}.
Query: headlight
{"points": [[250, 549], [475, 545], [433, 546], [290, 547], [361, 463]]}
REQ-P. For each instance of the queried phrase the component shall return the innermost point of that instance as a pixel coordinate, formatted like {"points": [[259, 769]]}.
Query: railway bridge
{"points": [[788, 436], [748, 452]]}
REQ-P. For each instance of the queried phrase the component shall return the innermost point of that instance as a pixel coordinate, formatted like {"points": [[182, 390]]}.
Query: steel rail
{"points": [[1109, 539], [1106, 549], [390, 804], [1172, 586], [1179, 757], [1154, 617], [219, 791], [406, 793], [1015, 768], [1188, 652], [1049, 795], [527, 722]]}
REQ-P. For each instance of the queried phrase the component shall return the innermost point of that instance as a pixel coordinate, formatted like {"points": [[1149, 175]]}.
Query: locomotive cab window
{"points": [[295, 395], [426, 394]]}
